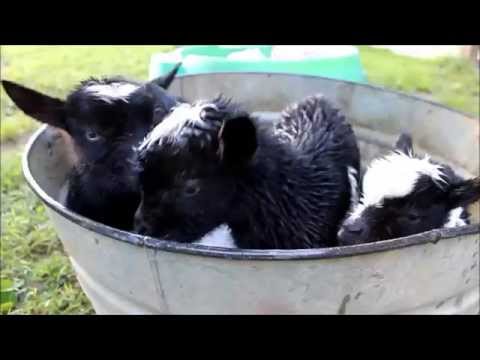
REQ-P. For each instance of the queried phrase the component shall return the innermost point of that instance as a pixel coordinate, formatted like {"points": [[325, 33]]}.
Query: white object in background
{"points": [[301, 52], [249, 54]]}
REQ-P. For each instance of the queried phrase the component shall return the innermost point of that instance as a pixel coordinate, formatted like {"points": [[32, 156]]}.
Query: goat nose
{"points": [[352, 234], [209, 112], [355, 228]]}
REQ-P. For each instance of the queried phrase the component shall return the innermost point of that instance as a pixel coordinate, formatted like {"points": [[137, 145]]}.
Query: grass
{"points": [[37, 277], [32, 258], [451, 81]]}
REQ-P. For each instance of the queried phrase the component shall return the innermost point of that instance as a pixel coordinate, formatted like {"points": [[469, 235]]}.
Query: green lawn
{"points": [[36, 275], [32, 258], [450, 81]]}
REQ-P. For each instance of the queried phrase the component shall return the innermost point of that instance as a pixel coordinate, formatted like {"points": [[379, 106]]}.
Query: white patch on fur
{"points": [[394, 176], [111, 92], [356, 213], [352, 173], [175, 123], [454, 218], [218, 237]]}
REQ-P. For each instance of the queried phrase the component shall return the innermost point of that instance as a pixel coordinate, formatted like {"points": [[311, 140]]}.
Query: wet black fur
{"points": [[281, 189]]}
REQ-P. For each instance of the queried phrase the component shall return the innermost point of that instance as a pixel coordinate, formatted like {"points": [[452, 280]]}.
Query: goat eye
{"points": [[413, 218], [92, 136], [191, 189]]}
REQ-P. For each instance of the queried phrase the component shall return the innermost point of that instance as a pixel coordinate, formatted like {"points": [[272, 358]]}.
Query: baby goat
{"points": [[404, 194], [105, 119], [210, 166]]}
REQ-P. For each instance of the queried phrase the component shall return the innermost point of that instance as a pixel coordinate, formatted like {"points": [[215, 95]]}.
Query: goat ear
{"points": [[41, 107], [166, 80], [465, 193], [404, 144], [237, 141], [163, 100]]}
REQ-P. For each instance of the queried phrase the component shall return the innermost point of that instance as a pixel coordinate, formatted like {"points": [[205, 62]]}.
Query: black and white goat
{"points": [[404, 194], [210, 169], [105, 119]]}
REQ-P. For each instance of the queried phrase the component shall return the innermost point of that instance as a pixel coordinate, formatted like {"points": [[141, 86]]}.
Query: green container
{"points": [[214, 59], [220, 51]]}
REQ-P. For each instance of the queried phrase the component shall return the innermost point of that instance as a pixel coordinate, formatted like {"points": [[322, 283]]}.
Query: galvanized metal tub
{"points": [[431, 273]]}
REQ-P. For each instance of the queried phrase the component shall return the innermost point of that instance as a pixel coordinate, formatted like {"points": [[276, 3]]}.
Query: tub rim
{"points": [[353, 83], [432, 236]]}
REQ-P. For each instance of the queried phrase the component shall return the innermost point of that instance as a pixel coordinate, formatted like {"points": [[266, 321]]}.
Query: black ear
{"points": [[41, 107], [465, 193], [237, 140], [404, 144], [166, 80], [163, 101]]}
